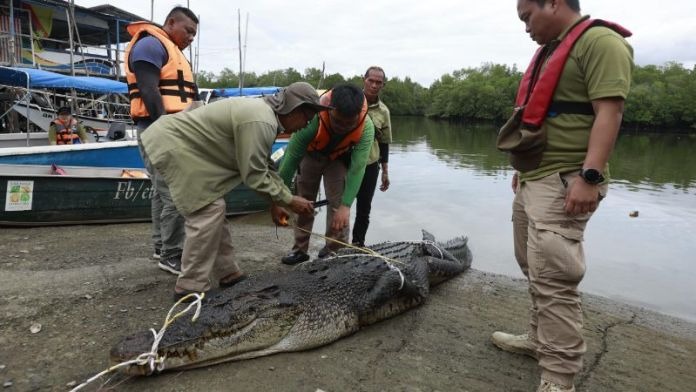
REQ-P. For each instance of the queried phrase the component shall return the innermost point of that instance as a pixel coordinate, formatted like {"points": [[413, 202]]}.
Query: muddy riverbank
{"points": [[88, 286]]}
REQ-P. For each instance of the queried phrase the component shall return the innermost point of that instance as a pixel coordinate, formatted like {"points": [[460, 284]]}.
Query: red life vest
{"points": [[176, 84], [323, 143], [543, 82], [66, 134]]}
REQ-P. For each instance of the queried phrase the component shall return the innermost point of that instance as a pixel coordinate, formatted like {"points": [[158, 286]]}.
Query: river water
{"points": [[451, 180]]}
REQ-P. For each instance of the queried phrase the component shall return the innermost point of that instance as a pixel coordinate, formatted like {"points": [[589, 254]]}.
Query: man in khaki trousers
{"points": [[204, 153], [571, 99]]}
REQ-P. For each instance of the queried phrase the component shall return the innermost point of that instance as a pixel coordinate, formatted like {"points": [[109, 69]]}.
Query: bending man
{"points": [[204, 153], [333, 147]]}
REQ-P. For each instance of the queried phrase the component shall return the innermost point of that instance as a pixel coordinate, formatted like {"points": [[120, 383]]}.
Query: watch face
{"points": [[592, 176]]}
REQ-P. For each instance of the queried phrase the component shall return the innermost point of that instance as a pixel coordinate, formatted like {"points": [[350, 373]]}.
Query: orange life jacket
{"points": [[66, 133], [333, 147], [176, 84]]}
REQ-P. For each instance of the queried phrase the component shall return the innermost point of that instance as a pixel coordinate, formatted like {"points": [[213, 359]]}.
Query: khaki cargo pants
{"points": [[548, 248], [207, 248], [309, 177]]}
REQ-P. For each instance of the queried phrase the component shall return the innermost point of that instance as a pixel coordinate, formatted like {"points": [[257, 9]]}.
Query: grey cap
{"points": [[288, 99]]}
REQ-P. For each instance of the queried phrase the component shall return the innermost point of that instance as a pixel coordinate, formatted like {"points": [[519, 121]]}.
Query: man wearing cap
{"points": [[65, 129], [203, 154], [334, 147]]}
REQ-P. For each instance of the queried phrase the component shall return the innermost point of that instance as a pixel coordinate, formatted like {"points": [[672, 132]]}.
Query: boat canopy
{"points": [[246, 91], [37, 78]]}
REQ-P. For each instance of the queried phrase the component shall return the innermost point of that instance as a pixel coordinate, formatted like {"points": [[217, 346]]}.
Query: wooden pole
{"points": [[239, 40]]}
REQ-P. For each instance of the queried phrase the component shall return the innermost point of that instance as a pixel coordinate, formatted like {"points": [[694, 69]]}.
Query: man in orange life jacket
{"points": [[65, 129], [160, 81], [334, 146], [572, 97]]}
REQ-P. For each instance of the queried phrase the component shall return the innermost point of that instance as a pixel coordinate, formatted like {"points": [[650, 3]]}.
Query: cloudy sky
{"points": [[419, 39]]}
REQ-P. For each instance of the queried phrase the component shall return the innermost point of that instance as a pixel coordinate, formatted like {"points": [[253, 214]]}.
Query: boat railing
{"points": [[83, 55], [107, 106]]}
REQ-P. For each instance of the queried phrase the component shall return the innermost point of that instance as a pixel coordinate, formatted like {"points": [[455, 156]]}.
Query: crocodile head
{"points": [[252, 324]]}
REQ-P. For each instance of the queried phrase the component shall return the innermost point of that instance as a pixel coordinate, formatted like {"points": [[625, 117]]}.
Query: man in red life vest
{"points": [[65, 129], [570, 105]]}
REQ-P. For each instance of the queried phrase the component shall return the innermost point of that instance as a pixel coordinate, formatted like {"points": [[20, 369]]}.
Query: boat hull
{"points": [[31, 196], [107, 154]]}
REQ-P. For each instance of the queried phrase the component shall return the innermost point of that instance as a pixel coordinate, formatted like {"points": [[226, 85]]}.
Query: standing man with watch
{"points": [[569, 110]]}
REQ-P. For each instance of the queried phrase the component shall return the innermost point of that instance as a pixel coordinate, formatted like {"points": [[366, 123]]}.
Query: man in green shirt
{"points": [[334, 148], [204, 153], [373, 82], [554, 199]]}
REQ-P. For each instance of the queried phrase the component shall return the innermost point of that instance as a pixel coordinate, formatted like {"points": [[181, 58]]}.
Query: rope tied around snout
{"points": [[151, 359]]}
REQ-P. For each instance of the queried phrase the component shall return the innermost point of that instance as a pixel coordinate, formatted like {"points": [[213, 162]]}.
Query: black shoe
{"points": [[171, 264], [295, 257], [157, 255], [325, 252]]}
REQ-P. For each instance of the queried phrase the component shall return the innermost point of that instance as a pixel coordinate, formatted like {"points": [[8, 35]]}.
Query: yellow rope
{"points": [[361, 249]]}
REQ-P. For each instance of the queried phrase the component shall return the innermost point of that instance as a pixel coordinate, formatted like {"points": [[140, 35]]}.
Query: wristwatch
{"points": [[592, 176]]}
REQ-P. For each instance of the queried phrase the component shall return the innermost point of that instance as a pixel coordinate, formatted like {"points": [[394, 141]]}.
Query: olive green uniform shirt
{"points": [[599, 66], [204, 153], [379, 113]]}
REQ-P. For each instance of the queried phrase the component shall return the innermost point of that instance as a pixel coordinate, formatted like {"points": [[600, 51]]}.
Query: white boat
{"points": [[100, 104]]}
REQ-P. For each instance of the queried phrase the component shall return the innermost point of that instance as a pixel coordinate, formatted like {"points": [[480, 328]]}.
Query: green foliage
{"points": [[661, 96], [475, 94]]}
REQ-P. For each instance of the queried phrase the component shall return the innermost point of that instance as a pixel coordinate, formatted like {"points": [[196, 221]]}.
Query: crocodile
{"points": [[312, 305]]}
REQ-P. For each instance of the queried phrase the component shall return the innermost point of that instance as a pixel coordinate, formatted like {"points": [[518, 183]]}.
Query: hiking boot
{"points": [[295, 257], [519, 344], [548, 386], [171, 265], [324, 252], [158, 254]]}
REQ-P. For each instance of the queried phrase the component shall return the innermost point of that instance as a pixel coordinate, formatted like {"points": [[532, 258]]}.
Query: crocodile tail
{"points": [[459, 248], [456, 249], [427, 236]]}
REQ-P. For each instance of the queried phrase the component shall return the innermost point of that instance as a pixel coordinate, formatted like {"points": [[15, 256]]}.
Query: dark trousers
{"points": [[363, 203], [167, 224]]}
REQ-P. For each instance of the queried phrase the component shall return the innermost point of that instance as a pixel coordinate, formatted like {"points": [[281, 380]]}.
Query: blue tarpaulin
{"points": [[246, 91], [43, 79]]}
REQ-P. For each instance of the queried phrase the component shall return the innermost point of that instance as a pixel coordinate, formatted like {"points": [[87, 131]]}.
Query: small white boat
{"points": [[100, 104]]}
